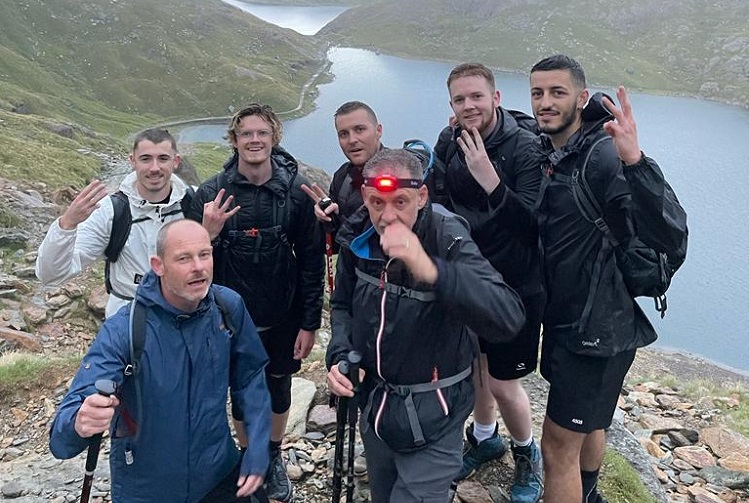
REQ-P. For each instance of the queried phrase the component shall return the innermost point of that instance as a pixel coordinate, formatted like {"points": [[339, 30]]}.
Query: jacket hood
{"points": [[285, 169], [127, 186], [595, 114]]}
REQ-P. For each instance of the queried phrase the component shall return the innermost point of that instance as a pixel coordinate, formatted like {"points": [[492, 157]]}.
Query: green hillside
{"points": [[113, 67], [671, 46]]}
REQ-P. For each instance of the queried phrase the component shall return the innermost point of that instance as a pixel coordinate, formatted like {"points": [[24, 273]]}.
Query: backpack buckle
{"points": [[252, 233]]}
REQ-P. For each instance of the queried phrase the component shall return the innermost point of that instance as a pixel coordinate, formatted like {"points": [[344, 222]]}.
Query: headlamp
{"points": [[389, 183]]}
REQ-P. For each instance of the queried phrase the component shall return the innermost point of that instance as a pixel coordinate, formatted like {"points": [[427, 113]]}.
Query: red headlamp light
{"points": [[389, 183]]}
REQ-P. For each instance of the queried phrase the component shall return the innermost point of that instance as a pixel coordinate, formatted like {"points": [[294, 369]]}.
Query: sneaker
{"points": [[360, 464], [477, 453], [528, 484], [277, 481]]}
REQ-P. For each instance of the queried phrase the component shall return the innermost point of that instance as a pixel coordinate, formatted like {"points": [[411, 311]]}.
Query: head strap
{"points": [[389, 183]]}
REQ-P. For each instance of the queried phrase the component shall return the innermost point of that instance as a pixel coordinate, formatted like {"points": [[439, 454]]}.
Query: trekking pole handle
{"points": [[104, 387], [354, 363]]}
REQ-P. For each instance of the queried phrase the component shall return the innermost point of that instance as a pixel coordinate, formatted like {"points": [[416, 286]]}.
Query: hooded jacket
{"points": [[271, 251], [502, 223], [578, 268], [64, 254], [425, 331], [184, 447]]}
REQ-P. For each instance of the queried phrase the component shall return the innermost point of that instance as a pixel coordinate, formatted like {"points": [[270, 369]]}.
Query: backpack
{"points": [[137, 335], [424, 153], [646, 272], [122, 222]]}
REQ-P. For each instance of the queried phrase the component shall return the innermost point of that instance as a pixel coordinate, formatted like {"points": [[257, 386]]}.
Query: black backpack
{"points": [[137, 333], [646, 272], [424, 153], [122, 222]]}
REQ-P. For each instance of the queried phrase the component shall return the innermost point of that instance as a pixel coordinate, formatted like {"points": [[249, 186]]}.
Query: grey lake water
{"points": [[702, 147]]}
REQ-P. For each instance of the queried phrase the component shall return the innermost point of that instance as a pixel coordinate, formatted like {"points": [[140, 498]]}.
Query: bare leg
{"points": [[561, 450]]}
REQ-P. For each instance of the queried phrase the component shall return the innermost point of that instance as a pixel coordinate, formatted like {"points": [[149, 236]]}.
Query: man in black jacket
{"points": [[491, 178], [268, 249], [359, 134], [409, 282], [592, 325]]}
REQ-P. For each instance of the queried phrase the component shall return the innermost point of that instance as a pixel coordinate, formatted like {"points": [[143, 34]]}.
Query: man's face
{"points": [[154, 164], [401, 205], [358, 135], [186, 269], [556, 101], [474, 103], [253, 139]]}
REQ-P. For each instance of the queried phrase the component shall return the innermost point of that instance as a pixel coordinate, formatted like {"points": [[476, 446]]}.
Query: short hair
{"points": [[155, 136], [389, 159], [265, 112], [562, 62], [163, 233], [471, 70], [353, 106]]}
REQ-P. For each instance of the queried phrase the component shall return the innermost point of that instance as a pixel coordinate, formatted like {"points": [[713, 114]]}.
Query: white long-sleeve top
{"points": [[64, 254]]}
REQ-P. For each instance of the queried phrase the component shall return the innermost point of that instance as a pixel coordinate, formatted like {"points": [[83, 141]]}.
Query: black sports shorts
{"points": [[584, 389], [519, 357]]}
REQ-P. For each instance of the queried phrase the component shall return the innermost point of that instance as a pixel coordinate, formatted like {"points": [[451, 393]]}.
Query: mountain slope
{"points": [[671, 46]]}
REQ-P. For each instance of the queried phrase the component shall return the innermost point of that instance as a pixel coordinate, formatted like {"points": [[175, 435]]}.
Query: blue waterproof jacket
{"points": [[184, 447]]}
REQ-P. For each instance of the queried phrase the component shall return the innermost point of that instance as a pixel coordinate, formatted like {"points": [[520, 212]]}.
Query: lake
{"points": [[701, 146], [303, 19]]}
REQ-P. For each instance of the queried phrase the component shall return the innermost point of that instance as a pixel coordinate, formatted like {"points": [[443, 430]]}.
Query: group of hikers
{"points": [[445, 276]]}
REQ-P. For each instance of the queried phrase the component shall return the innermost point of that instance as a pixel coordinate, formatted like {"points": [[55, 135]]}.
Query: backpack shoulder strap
{"points": [[122, 221], [584, 197], [225, 314], [137, 332], [186, 201]]}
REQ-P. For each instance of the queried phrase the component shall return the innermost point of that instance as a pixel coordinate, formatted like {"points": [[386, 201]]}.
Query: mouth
{"points": [[197, 282]]}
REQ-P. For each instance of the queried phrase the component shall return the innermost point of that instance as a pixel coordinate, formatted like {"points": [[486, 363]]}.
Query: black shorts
{"points": [[519, 357], [584, 389], [279, 344]]}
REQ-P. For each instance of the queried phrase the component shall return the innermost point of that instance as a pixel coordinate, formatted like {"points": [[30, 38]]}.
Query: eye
{"points": [[376, 203], [164, 158], [458, 100], [401, 203]]}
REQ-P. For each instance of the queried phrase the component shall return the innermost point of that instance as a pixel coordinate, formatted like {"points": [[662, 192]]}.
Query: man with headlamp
{"points": [[409, 282]]}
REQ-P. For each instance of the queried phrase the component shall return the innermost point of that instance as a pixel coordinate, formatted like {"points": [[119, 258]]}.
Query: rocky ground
{"points": [[684, 448]]}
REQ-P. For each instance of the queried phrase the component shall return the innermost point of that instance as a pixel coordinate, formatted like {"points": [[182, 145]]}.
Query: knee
{"points": [[280, 392], [508, 392]]}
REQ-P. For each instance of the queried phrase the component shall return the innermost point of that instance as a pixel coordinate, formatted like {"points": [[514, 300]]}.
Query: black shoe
{"points": [[277, 480]]}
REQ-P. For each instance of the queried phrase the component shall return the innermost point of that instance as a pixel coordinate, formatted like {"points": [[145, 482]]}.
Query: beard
{"points": [[568, 118]]}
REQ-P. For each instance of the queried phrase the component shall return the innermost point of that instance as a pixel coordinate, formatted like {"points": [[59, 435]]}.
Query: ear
{"points": [[423, 196], [582, 99], [378, 129], [496, 98], [177, 161], [131, 160], [157, 265]]}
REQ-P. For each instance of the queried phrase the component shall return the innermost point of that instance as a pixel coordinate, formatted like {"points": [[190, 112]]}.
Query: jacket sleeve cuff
{"points": [[498, 195]]}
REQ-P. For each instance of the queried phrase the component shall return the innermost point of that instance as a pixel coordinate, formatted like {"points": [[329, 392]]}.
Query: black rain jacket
{"points": [[502, 223], [577, 266], [271, 251]]}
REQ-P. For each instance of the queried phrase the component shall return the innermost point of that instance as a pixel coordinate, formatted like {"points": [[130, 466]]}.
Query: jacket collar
{"points": [[285, 169]]}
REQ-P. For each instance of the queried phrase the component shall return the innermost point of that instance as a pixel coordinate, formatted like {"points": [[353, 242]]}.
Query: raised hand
{"points": [[83, 205], [623, 129], [217, 212], [477, 160], [398, 241], [324, 206]]}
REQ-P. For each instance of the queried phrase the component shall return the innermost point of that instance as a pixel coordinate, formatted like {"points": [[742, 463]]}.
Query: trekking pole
{"points": [[104, 387], [354, 360], [340, 431]]}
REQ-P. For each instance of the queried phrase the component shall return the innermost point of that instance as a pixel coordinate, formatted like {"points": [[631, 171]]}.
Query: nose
{"points": [[388, 214]]}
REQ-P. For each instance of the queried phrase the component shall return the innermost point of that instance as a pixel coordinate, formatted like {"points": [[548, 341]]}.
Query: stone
{"points": [[735, 462], [35, 314], [677, 439], [700, 495], [20, 340], [723, 441], [723, 477], [473, 492], [643, 399], [652, 448], [58, 301], [659, 424], [97, 300], [699, 457], [294, 472], [302, 393], [12, 490], [322, 418]]}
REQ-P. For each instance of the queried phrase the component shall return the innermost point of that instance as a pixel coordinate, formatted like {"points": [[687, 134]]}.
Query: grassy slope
{"points": [[114, 67], [671, 46]]}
